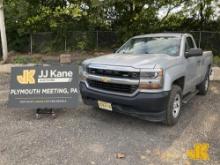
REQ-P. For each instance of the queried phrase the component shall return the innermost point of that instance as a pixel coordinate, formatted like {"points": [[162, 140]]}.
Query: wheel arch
{"points": [[180, 82]]}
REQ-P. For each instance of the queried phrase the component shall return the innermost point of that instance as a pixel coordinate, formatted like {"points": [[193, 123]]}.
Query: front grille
{"points": [[112, 86], [114, 73]]}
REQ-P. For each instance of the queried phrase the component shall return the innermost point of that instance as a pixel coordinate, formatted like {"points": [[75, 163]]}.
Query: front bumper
{"points": [[148, 106]]}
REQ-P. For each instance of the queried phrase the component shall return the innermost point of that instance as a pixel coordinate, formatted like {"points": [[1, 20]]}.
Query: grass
{"points": [[216, 60], [25, 60]]}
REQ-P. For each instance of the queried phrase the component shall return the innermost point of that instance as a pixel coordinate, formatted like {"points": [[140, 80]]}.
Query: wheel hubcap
{"points": [[176, 105], [206, 84]]}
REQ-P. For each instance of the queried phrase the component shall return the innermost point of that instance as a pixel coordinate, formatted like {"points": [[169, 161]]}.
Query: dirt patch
{"points": [[22, 58]]}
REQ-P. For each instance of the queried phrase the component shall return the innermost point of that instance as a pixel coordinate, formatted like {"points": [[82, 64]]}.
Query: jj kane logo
{"points": [[27, 77], [55, 76], [199, 152]]}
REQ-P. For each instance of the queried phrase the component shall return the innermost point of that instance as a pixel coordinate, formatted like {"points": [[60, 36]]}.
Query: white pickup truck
{"points": [[149, 77]]}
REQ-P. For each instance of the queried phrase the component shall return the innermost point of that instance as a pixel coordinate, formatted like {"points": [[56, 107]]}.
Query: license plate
{"points": [[105, 105]]}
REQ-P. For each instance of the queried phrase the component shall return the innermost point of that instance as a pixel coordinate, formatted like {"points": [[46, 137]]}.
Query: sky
{"points": [[163, 11]]}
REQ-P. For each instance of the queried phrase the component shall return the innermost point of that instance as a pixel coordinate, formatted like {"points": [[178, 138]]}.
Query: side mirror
{"points": [[194, 52]]}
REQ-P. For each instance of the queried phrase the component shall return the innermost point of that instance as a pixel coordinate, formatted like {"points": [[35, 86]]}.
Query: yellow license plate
{"points": [[105, 105]]}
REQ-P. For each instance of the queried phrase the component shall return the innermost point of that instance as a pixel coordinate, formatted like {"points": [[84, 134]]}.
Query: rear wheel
{"points": [[174, 106], [204, 86]]}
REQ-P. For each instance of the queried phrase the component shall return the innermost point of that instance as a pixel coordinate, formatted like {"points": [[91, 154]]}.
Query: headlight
{"points": [[82, 71], [150, 75], [151, 79]]}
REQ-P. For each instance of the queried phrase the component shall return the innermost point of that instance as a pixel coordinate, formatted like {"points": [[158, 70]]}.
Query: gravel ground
{"points": [[90, 136]]}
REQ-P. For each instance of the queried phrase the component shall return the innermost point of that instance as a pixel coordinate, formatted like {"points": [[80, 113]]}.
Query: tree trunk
{"points": [[202, 18], [3, 33]]}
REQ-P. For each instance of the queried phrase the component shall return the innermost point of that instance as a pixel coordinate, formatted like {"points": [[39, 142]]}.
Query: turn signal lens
{"points": [[149, 85]]}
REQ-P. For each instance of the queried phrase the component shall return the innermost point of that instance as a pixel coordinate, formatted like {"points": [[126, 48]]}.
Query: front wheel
{"points": [[174, 106]]}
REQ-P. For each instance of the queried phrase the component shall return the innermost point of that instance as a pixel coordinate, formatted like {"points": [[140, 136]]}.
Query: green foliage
{"points": [[25, 60], [127, 17], [53, 18], [82, 41], [216, 60]]}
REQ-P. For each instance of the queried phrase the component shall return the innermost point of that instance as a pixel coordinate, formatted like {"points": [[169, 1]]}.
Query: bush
{"points": [[216, 60], [25, 60]]}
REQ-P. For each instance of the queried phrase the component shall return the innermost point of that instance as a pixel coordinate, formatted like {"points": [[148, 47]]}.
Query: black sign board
{"points": [[44, 87]]}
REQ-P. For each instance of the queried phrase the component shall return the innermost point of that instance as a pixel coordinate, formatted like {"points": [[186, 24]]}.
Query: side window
{"points": [[189, 44]]}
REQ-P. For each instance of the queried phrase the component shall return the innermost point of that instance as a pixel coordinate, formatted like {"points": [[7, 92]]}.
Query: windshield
{"points": [[152, 45]]}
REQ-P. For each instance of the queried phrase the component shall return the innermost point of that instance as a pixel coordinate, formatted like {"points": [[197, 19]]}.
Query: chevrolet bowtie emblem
{"points": [[105, 79]]}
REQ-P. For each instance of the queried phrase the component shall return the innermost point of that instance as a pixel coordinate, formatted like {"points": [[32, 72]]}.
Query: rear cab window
{"points": [[189, 43]]}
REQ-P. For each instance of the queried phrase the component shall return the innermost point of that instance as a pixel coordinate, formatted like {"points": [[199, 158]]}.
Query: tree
{"points": [[126, 17], [201, 10], [3, 33]]}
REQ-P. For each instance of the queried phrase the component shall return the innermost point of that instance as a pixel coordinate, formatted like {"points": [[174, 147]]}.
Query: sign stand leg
{"points": [[40, 112]]}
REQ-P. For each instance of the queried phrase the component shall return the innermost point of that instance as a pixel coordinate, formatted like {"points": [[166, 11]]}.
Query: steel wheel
{"points": [[176, 106], [206, 83]]}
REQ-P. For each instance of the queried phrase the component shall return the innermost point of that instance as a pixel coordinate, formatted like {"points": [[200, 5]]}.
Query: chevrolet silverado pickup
{"points": [[149, 77]]}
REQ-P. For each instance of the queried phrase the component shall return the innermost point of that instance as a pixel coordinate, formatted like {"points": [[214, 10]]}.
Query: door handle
{"points": [[199, 61]]}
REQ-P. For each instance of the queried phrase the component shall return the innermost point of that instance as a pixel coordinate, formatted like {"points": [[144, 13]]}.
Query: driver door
{"points": [[191, 66]]}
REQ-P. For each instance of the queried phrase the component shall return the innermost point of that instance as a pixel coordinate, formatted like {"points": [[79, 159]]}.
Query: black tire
{"points": [[204, 86], [171, 116]]}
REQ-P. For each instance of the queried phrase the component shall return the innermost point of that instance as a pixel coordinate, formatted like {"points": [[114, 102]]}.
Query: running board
{"points": [[189, 96]]}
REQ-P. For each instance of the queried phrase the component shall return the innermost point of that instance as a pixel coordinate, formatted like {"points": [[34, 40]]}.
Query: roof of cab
{"points": [[161, 35]]}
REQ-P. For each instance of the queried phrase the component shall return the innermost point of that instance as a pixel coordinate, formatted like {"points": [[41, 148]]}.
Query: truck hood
{"points": [[136, 61]]}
